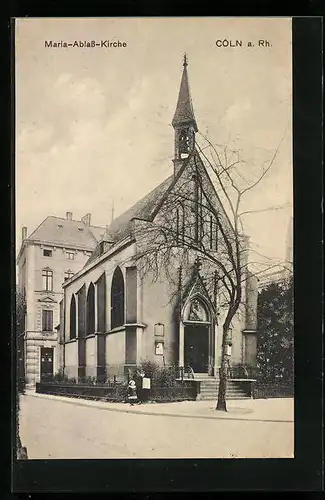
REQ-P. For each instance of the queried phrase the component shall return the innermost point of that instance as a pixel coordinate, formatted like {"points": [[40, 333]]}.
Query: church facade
{"points": [[148, 292]]}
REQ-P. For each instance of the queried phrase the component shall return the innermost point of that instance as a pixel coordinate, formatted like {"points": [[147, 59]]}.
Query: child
{"points": [[132, 393]]}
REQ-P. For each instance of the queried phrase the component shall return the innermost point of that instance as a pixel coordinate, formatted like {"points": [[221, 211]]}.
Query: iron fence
{"points": [[243, 372], [117, 392], [272, 390]]}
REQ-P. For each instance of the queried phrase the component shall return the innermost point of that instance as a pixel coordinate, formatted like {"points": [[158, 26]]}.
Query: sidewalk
{"points": [[263, 410]]}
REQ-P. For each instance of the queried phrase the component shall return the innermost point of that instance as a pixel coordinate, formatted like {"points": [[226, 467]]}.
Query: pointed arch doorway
{"points": [[196, 347], [197, 338]]}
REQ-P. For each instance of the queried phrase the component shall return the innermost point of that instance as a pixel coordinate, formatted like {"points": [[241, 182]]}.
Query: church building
{"points": [[149, 291]]}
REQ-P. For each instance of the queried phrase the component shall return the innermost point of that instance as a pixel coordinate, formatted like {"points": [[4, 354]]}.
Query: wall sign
{"points": [[159, 330], [159, 348]]}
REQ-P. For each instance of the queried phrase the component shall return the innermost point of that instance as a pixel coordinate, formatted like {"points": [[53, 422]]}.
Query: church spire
{"points": [[184, 122], [184, 113]]}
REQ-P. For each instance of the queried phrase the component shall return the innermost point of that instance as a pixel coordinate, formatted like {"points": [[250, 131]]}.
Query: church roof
{"points": [[143, 209], [184, 112], [74, 233]]}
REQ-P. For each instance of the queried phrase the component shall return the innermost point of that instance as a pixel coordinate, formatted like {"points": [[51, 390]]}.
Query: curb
{"points": [[84, 403]]}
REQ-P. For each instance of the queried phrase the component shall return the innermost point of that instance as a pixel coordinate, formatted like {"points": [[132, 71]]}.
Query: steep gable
{"points": [[194, 165], [150, 205]]}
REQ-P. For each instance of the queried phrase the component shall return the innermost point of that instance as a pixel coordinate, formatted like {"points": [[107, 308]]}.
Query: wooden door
{"points": [[46, 363], [196, 348]]}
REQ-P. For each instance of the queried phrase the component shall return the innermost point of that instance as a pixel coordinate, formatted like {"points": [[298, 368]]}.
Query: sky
{"points": [[93, 125]]}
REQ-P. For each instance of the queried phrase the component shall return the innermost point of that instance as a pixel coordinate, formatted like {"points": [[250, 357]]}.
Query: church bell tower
{"points": [[184, 122]]}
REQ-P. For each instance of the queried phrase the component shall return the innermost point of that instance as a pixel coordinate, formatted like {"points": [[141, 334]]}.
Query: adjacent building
{"points": [[50, 255], [284, 272], [120, 309]]}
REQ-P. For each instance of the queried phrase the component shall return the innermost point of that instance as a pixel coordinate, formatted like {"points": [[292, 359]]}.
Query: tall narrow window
{"points": [[117, 299], [47, 275], [216, 235], [213, 233], [47, 321], [91, 309], [198, 212], [101, 303], [73, 318], [82, 316], [180, 224]]}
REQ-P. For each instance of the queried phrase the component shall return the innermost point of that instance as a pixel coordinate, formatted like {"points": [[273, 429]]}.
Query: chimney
{"points": [[24, 233], [69, 215], [86, 219]]}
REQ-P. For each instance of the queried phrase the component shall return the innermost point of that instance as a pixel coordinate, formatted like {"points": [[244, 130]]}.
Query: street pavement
{"points": [[59, 427]]}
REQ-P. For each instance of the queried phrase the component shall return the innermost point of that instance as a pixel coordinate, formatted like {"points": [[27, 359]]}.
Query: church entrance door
{"points": [[196, 347]]}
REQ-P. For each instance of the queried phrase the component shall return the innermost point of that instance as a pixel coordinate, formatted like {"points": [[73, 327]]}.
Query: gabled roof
{"points": [[121, 227], [60, 231], [145, 209], [142, 209], [184, 112]]}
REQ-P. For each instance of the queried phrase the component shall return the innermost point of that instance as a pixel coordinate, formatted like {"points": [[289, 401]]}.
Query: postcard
{"points": [[154, 245]]}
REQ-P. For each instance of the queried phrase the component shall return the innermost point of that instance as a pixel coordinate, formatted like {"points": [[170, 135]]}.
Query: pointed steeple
{"points": [[184, 122], [184, 113]]}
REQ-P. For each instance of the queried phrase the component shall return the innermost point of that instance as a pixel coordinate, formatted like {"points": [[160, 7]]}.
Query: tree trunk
{"points": [[222, 404]]}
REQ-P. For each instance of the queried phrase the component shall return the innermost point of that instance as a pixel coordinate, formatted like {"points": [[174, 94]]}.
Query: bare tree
{"points": [[193, 225]]}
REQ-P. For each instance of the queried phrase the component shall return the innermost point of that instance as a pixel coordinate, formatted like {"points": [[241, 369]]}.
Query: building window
{"points": [[47, 253], [68, 275], [117, 299], [47, 276], [47, 321], [73, 318], [198, 209], [213, 234], [90, 328], [180, 224], [69, 255], [184, 142]]}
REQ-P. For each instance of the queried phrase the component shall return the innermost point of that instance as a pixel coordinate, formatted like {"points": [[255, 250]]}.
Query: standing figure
{"points": [[139, 376], [132, 392]]}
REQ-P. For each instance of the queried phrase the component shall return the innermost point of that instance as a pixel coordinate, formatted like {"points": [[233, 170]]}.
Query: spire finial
{"points": [[185, 63]]}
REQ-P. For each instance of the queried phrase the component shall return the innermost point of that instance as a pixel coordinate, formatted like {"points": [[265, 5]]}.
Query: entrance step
{"points": [[229, 398], [209, 390]]}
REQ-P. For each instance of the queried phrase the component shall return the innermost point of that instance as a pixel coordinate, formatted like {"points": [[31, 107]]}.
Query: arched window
{"points": [[180, 224], [90, 325], [184, 141], [117, 299], [73, 317]]}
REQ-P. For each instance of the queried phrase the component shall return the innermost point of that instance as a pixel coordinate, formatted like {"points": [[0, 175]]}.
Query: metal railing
{"points": [[186, 372], [242, 372]]}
